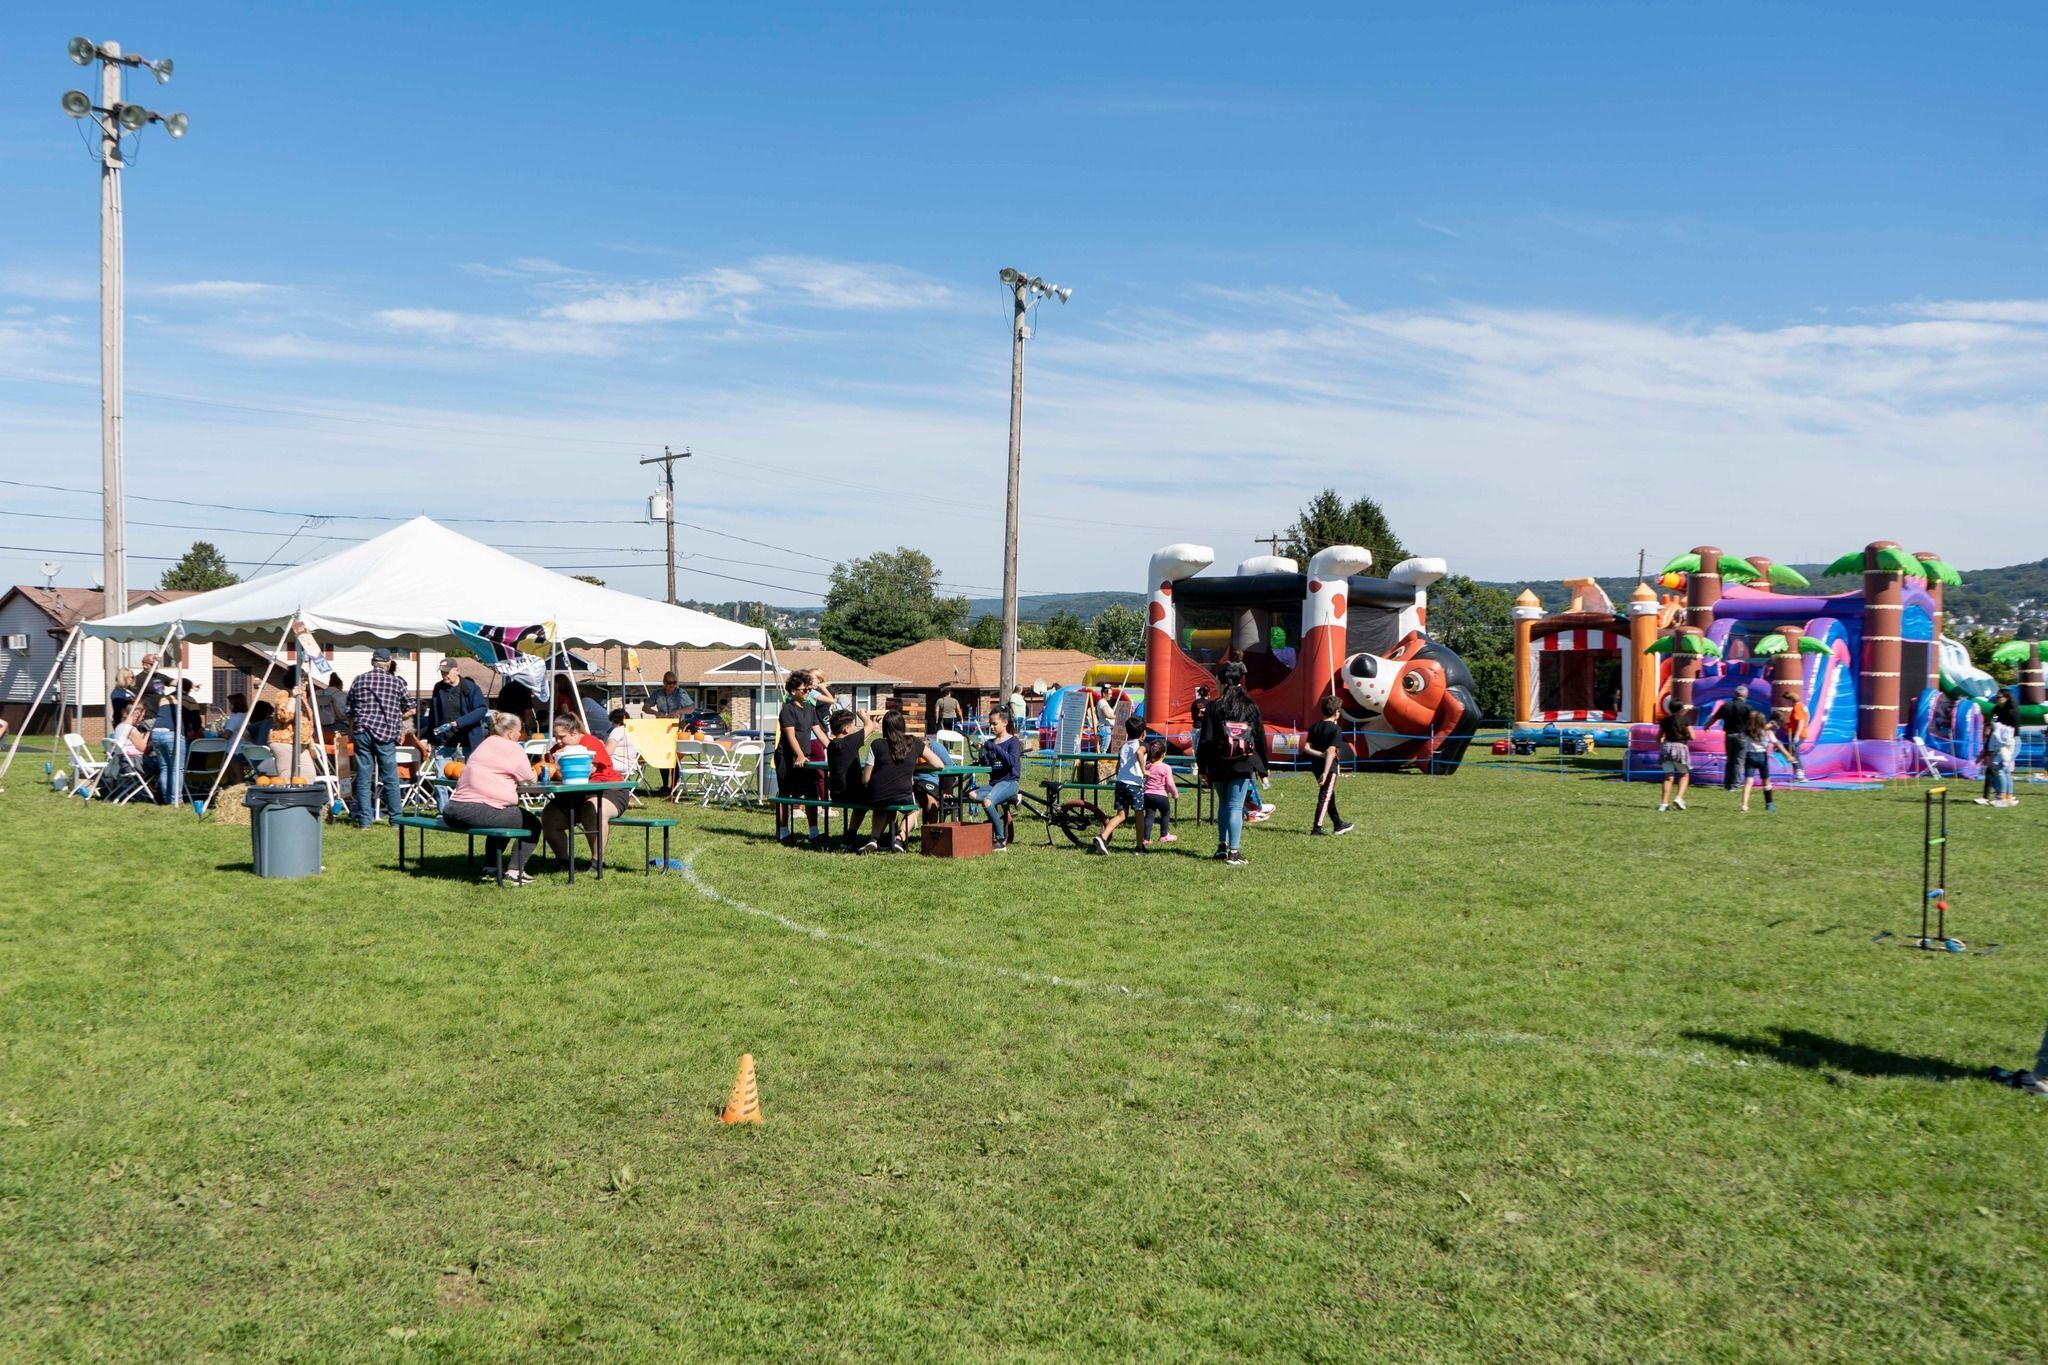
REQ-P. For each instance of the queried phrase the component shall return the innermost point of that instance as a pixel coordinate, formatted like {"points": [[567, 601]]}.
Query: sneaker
{"points": [[1678, 805], [1221, 855], [898, 846], [1144, 848], [1981, 800], [1098, 845], [1661, 809], [2006, 802], [1343, 829], [1001, 846], [785, 836], [1260, 817], [1770, 806], [1316, 832], [1169, 838], [1236, 859], [869, 847]]}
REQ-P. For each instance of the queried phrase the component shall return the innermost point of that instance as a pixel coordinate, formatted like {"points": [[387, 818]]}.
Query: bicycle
{"points": [[1079, 819]]}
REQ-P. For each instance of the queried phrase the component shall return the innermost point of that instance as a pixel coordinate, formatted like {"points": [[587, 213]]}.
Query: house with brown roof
{"points": [[932, 666], [33, 624]]}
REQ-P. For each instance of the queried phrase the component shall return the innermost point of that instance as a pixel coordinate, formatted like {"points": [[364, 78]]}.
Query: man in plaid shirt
{"points": [[378, 703]]}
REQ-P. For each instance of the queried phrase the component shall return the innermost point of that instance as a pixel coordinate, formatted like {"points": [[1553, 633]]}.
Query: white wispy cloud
{"points": [[531, 336], [1987, 310], [212, 289]]}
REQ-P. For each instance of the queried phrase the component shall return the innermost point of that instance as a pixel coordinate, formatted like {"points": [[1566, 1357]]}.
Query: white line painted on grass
{"points": [[1238, 1009]]}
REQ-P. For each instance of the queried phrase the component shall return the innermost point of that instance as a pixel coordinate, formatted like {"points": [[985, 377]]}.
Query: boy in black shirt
{"points": [[843, 771], [1324, 746]]}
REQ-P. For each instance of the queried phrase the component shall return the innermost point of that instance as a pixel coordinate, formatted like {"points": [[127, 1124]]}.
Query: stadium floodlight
{"points": [[176, 124], [162, 68], [77, 103], [131, 117], [83, 50]]}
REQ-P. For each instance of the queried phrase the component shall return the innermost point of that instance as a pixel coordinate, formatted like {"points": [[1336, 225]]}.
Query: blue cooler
{"points": [[576, 764]]}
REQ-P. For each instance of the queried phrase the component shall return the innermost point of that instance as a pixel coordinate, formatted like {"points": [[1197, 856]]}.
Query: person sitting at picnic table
{"points": [[1004, 754], [890, 775], [844, 782], [595, 816], [928, 783], [671, 700], [619, 744], [486, 795]]}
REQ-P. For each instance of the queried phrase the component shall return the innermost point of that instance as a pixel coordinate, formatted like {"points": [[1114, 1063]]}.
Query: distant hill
{"points": [[1086, 605]]}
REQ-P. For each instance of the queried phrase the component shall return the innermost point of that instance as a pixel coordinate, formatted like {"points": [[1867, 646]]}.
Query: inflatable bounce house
{"points": [[1582, 673], [1303, 636], [1869, 666]]}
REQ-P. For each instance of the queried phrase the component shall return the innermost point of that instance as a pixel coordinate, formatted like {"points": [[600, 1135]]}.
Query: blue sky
{"points": [[1555, 282]]}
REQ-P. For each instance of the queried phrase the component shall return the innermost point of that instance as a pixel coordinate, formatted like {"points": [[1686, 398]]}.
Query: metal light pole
{"points": [[113, 118], [1024, 291]]}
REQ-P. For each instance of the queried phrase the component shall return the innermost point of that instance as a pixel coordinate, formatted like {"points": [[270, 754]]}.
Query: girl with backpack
{"points": [[1231, 749]]}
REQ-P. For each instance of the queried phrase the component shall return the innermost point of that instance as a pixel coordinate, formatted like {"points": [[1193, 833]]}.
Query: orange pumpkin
{"points": [[452, 768]]}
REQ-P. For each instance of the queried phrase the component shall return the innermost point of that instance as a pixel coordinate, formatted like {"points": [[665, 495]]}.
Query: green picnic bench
{"points": [[423, 823], [828, 806]]}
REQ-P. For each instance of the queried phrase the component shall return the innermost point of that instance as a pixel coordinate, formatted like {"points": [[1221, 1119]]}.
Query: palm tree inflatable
{"points": [[2033, 685], [1885, 569]]}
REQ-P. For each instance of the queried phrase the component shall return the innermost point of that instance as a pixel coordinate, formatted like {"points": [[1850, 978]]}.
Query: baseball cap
{"points": [[380, 656]]}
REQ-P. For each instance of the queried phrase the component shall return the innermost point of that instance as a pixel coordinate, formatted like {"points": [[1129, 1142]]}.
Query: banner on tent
{"points": [[312, 658], [518, 653]]}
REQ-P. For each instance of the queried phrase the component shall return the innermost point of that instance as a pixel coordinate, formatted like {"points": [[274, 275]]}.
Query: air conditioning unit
{"points": [[18, 643]]}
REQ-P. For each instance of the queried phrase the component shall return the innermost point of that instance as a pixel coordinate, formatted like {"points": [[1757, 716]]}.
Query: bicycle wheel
{"points": [[1080, 821]]}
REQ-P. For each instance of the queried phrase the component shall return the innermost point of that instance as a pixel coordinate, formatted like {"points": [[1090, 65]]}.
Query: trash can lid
{"points": [[312, 796]]}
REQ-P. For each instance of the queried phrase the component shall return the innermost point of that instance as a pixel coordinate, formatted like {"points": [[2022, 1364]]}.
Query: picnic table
{"points": [[572, 794]]}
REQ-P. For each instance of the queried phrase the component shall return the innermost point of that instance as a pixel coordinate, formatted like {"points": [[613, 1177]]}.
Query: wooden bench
{"points": [[423, 823], [828, 806]]}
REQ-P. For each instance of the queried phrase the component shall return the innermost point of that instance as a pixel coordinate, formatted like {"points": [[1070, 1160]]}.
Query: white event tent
{"points": [[403, 589]]}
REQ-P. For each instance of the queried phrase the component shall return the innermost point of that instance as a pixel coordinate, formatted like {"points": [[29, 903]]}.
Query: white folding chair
{"points": [[85, 769], [121, 779], [726, 781], [420, 794], [693, 768]]}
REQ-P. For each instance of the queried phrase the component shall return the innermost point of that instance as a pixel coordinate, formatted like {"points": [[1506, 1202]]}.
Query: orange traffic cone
{"points": [[745, 1104]]}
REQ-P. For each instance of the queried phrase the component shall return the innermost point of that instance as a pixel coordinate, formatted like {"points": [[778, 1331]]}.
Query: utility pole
{"points": [[1024, 291], [667, 460], [1272, 542], [114, 118]]}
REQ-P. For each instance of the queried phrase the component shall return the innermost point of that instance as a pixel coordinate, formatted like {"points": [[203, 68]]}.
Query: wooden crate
{"points": [[958, 840]]}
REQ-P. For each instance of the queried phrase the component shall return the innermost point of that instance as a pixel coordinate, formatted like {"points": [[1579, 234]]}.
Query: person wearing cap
{"points": [[454, 723], [378, 703], [456, 711]]}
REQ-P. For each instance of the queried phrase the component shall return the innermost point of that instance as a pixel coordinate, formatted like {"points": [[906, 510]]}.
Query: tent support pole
{"points": [[177, 774], [235, 747], [56, 666]]}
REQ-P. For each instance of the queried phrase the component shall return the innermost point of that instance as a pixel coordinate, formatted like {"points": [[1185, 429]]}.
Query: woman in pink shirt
{"points": [[487, 796]]}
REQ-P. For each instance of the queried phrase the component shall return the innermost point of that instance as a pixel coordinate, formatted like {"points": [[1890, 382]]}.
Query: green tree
{"points": [[591, 579], [1118, 632], [1475, 621], [1064, 630], [201, 569], [757, 617], [885, 601], [1984, 646], [985, 633], [1328, 520]]}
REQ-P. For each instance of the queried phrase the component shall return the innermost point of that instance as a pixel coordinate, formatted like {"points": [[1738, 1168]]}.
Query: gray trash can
{"points": [[284, 829]]}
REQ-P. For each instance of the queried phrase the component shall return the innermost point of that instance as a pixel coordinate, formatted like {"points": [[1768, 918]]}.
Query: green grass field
{"points": [[1522, 1070]]}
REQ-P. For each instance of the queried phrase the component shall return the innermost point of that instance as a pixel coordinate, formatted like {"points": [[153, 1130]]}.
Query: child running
{"points": [[1324, 748], [1160, 790], [1758, 740], [1130, 782], [1674, 755]]}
